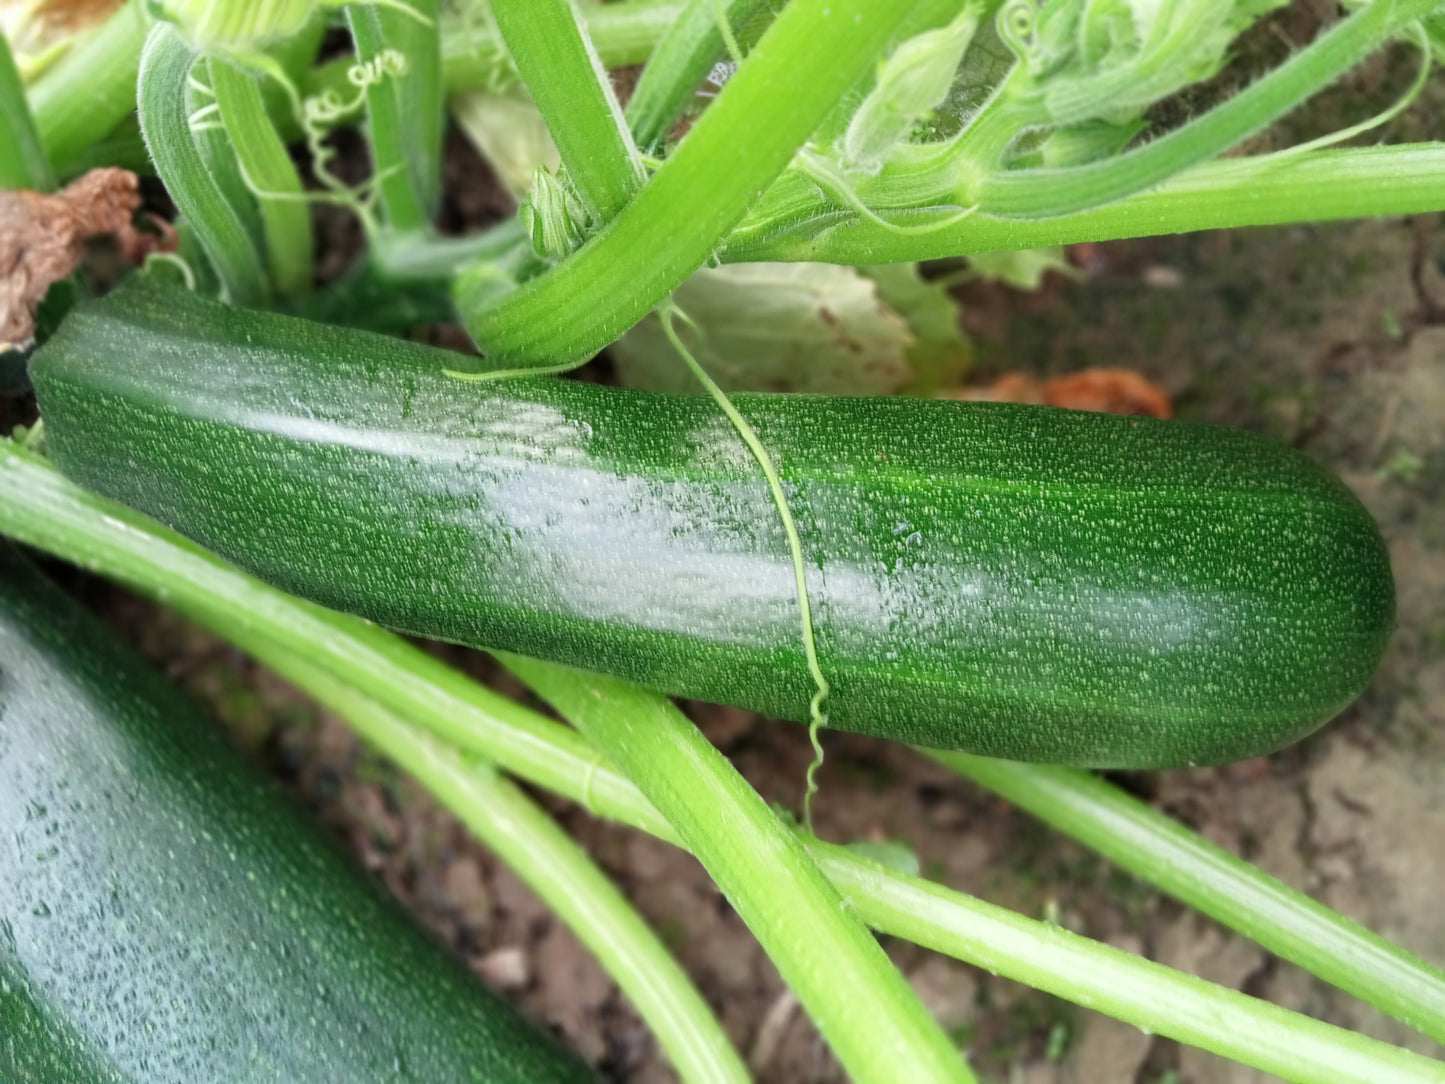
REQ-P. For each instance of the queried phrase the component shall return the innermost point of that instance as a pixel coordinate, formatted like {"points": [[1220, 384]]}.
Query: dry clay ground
{"points": [[1332, 338]]}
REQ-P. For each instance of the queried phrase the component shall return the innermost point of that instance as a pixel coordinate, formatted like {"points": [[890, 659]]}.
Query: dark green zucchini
{"points": [[1020, 581], [165, 915]]}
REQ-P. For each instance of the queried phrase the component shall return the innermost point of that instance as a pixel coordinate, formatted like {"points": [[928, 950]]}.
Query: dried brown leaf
{"points": [[43, 235], [1111, 391]]}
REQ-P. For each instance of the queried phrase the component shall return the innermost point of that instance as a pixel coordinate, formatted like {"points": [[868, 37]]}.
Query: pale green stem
{"points": [[270, 173], [165, 66], [1120, 984], [219, 154], [511, 825], [473, 57], [683, 57], [1232, 192], [807, 58], [89, 90], [41, 508], [404, 111], [548, 44], [1040, 193], [1208, 878], [865, 1010]]}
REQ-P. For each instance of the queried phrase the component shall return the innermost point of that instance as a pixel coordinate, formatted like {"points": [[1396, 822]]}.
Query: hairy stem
{"points": [[807, 58], [285, 215], [861, 1004], [404, 110], [566, 79], [683, 56], [474, 58], [1356, 182], [165, 67]]}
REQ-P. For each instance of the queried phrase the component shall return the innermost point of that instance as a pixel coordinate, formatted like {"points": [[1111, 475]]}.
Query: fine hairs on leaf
{"points": [[667, 313]]}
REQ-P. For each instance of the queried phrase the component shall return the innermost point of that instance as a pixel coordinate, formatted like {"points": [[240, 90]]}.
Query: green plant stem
{"points": [[286, 218], [1038, 193], [24, 163], [293, 56], [89, 90], [404, 111], [1208, 878], [1120, 984], [474, 58], [295, 638], [863, 1007], [1357, 182], [424, 255], [511, 825], [623, 33], [219, 153], [808, 57], [922, 187], [683, 57], [566, 79], [40, 508], [165, 63]]}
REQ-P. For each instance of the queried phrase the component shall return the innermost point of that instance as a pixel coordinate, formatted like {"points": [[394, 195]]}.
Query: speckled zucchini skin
{"points": [[167, 916], [1020, 581]]}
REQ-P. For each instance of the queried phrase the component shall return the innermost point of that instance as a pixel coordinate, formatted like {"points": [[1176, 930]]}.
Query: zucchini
{"points": [[166, 915], [1019, 581]]}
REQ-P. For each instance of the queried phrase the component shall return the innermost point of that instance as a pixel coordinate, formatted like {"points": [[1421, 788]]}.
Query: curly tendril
{"points": [[1017, 22]]}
